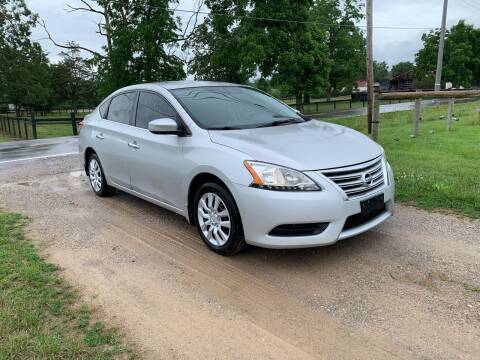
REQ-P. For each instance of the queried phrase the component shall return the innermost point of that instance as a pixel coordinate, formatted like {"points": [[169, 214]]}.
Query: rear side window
{"points": [[103, 109], [152, 107], [121, 108]]}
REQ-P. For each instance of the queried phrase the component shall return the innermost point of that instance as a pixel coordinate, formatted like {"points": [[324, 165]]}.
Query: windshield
{"points": [[234, 107]]}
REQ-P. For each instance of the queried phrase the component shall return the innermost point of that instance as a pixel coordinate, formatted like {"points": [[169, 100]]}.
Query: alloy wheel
{"points": [[214, 219], [95, 175]]}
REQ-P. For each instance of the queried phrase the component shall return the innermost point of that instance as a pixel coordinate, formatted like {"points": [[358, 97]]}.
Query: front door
{"points": [[156, 170]]}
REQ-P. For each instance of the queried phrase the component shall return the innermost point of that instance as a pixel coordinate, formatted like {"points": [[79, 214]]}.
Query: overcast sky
{"points": [[390, 45]]}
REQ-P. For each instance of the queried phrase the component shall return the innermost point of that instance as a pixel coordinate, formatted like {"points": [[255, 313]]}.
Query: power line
{"points": [[471, 6], [301, 22]]}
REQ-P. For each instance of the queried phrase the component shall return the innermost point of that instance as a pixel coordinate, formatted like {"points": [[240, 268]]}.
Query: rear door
{"points": [[112, 138], [156, 170]]}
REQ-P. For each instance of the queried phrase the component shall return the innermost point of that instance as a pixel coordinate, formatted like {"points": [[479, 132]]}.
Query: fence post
{"points": [[376, 115], [9, 127], [417, 116], [19, 128], [13, 128], [34, 125], [451, 102], [74, 123], [25, 128]]}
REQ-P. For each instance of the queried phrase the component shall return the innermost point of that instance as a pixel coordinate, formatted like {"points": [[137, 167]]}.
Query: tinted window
{"points": [[121, 108], [152, 107], [233, 106], [103, 109]]}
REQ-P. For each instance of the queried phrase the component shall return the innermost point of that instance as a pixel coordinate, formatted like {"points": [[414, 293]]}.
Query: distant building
{"points": [[359, 93], [403, 82]]}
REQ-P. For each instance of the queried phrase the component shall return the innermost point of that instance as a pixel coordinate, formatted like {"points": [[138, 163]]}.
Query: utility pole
{"points": [[441, 46], [370, 75]]}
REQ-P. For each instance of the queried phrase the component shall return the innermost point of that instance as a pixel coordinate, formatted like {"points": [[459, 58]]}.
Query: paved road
{"points": [[406, 290], [22, 151]]}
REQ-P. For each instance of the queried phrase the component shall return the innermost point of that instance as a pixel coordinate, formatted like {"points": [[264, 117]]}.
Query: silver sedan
{"points": [[241, 166]]}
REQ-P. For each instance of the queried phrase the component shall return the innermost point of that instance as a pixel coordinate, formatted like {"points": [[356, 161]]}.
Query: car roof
{"points": [[190, 83], [171, 85]]}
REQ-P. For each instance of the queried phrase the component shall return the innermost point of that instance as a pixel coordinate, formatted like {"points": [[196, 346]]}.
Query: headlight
{"points": [[274, 177]]}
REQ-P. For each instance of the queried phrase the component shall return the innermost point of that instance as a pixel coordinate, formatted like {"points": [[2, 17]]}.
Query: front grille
{"points": [[299, 229], [360, 219], [358, 180]]}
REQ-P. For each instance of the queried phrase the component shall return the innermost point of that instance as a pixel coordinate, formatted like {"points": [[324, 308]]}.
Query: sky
{"points": [[390, 45]]}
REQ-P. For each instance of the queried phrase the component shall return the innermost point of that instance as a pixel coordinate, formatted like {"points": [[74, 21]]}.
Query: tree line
{"points": [[299, 48]]}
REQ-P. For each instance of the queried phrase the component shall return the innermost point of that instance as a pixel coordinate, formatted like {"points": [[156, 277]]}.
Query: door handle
{"points": [[134, 145], [100, 136]]}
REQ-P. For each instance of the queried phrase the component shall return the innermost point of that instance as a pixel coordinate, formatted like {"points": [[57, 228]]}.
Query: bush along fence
{"points": [[22, 127], [417, 97]]}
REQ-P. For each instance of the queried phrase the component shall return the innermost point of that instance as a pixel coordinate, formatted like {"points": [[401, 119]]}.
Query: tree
{"points": [[461, 63], [217, 44], [345, 41], [291, 50], [139, 38], [16, 21], [381, 71], [139, 32], [73, 80], [402, 68]]}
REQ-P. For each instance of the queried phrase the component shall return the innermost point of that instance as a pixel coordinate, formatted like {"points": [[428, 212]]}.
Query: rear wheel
{"points": [[97, 177], [218, 220]]}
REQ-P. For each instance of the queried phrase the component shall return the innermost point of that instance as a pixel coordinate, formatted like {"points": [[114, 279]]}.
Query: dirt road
{"points": [[409, 289]]}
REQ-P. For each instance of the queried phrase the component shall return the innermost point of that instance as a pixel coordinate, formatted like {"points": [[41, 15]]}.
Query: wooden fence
{"points": [[22, 127], [417, 97]]}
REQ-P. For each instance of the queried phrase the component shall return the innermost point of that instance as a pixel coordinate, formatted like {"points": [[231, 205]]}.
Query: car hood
{"points": [[313, 145]]}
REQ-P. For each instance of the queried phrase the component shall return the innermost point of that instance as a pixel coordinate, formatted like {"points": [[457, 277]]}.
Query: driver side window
{"points": [[152, 107]]}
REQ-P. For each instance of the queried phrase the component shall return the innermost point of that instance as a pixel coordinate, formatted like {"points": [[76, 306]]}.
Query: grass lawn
{"points": [[4, 138], [439, 169], [41, 316], [49, 131]]}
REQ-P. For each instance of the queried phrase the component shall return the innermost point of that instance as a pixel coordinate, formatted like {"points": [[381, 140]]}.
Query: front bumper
{"points": [[263, 210]]}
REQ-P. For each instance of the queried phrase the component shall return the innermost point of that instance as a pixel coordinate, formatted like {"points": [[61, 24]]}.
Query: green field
{"points": [[4, 138], [439, 169], [41, 316]]}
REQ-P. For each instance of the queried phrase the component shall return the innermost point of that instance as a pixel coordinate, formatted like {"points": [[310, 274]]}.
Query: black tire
{"points": [[236, 241], [103, 189]]}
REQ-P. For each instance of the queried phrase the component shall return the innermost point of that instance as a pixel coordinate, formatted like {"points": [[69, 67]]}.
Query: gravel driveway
{"points": [[409, 289]]}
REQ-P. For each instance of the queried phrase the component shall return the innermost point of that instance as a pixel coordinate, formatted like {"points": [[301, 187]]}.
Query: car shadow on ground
{"points": [[341, 251]]}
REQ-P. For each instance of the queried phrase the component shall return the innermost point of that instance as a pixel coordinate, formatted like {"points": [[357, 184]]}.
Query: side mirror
{"points": [[164, 126]]}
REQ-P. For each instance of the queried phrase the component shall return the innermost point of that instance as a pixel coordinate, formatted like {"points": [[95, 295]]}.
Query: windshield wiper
{"points": [[281, 122]]}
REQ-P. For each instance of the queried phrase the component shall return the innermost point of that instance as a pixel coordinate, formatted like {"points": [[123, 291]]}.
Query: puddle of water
{"points": [[77, 174]]}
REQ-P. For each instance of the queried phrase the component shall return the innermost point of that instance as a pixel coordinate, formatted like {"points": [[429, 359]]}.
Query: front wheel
{"points": [[218, 220]]}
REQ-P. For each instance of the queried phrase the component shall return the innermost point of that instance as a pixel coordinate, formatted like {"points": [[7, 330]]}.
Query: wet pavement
{"points": [[15, 152]]}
